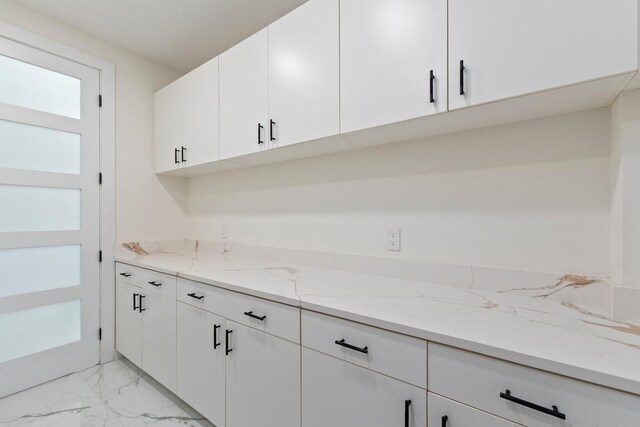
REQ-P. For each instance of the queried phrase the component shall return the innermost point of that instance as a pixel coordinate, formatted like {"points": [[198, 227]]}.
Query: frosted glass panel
{"points": [[25, 208], [29, 86], [28, 270], [38, 329], [36, 148]]}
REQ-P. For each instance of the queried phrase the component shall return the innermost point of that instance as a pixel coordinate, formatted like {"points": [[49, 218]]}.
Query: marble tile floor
{"points": [[115, 394]]}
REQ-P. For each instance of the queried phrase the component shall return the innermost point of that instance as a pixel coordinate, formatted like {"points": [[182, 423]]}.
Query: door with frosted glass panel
{"points": [[49, 216]]}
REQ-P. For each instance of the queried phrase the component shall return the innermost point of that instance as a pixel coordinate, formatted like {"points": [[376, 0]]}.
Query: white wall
{"points": [[146, 208], [532, 195]]}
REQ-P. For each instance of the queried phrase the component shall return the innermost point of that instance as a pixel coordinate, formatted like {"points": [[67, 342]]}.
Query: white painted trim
{"points": [[107, 166]]}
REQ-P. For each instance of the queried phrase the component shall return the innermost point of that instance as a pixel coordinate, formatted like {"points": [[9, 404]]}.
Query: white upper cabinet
{"points": [[512, 48], [389, 51], [168, 127], [304, 73], [244, 97], [200, 115]]}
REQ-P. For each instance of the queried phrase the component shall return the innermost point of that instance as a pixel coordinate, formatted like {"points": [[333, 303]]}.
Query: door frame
{"points": [[107, 195]]}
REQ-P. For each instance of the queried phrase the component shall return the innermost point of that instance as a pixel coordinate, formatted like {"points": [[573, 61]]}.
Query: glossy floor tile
{"points": [[115, 394]]}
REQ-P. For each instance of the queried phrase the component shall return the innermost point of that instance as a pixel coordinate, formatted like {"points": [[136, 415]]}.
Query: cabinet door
{"points": [[168, 127], [244, 97], [159, 338], [388, 49], [128, 324], [340, 394], [511, 48], [448, 413], [200, 115], [201, 359], [263, 379], [304, 73]]}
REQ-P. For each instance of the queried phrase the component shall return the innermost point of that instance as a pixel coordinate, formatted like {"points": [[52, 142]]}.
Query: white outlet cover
{"points": [[393, 239]]}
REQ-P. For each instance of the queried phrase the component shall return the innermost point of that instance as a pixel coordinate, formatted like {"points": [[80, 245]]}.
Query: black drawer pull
{"points": [[364, 350], [271, 125], [462, 69], [444, 420], [135, 307], [175, 156], [253, 316], [125, 274], [193, 295], [260, 127], [154, 283], [432, 79], [182, 156], [216, 344], [407, 404], [554, 412], [226, 342], [140, 309]]}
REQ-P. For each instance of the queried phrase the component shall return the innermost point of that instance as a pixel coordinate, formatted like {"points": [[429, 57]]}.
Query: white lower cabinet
{"points": [[263, 379], [340, 394], [444, 412], [201, 362], [128, 325]]}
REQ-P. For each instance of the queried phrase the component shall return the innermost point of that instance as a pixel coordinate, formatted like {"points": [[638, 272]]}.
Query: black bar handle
{"points": [[554, 412], [193, 295], [445, 418], [260, 127], [175, 155], [407, 404], [182, 156], [134, 302], [154, 283], [226, 342], [342, 343], [253, 316], [462, 69], [125, 274], [271, 124], [140, 309], [216, 344], [432, 79]]}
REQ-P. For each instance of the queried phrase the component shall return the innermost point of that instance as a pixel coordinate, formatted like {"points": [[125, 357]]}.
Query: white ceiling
{"points": [[180, 34]]}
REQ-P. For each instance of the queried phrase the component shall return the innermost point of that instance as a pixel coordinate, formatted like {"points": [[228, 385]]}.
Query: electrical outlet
{"points": [[393, 239]]}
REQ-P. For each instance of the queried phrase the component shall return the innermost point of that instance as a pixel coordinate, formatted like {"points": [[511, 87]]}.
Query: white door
{"points": [[128, 323], [393, 61], [168, 127], [201, 362], [158, 337], [263, 379], [340, 394], [244, 97], [49, 216], [512, 48], [304, 74], [200, 118]]}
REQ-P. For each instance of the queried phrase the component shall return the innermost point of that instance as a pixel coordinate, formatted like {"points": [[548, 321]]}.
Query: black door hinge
{"points": [[100, 178], [100, 334], [99, 100], [100, 256]]}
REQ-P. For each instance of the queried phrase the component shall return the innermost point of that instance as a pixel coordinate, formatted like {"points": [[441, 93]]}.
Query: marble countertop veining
{"points": [[559, 337]]}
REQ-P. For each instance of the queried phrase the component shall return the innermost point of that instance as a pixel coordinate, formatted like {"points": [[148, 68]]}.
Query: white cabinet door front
{"points": [[340, 394], [200, 118], [159, 337], [263, 379], [304, 73], [201, 362], [389, 51], [244, 97], [168, 127], [128, 324], [512, 48]]}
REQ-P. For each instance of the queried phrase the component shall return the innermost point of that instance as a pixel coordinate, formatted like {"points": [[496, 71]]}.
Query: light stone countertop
{"points": [[559, 337]]}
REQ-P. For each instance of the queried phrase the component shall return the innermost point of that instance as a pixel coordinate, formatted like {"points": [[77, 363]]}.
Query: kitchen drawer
{"points": [[480, 381], [443, 412], [268, 316], [389, 353], [206, 297], [143, 278]]}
